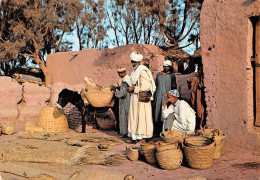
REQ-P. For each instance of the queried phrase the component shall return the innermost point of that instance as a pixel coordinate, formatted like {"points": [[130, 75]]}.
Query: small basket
{"points": [[8, 128], [99, 97], [208, 131], [219, 144], [149, 152], [132, 153], [51, 119], [173, 136], [169, 156], [199, 151]]}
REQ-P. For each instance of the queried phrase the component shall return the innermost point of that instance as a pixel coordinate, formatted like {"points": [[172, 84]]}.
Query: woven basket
{"points": [[173, 139], [219, 144], [208, 131], [169, 156], [99, 97], [8, 128], [199, 152], [106, 124], [53, 120], [149, 152], [172, 136], [132, 153]]}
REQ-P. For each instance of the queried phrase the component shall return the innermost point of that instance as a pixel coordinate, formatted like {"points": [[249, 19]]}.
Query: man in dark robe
{"points": [[124, 101], [165, 81], [196, 85]]}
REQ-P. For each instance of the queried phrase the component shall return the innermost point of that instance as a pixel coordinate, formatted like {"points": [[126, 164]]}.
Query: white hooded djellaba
{"points": [[140, 123]]}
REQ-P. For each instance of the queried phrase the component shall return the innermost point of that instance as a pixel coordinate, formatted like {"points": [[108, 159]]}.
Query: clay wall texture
{"points": [[99, 65], [226, 41]]}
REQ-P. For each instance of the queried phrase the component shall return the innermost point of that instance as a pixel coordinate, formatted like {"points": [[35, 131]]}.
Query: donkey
{"points": [[66, 96]]}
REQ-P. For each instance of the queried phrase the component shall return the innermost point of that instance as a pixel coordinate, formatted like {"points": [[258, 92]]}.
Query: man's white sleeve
{"points": [[166, 111]]}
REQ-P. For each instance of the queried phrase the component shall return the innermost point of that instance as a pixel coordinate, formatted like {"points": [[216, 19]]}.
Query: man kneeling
{"points": [[177, 114]]}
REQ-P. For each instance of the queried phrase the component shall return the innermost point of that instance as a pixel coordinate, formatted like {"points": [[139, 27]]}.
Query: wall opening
{"points": [[256, 68]]}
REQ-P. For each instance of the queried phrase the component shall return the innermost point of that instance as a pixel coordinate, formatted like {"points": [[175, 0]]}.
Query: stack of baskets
{"points": [[149, 152], [218, 135], [199, 151], [169, 156], [173, 136]]}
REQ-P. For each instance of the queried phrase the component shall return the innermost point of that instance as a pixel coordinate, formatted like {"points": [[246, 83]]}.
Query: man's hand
{"points": [[130, 89], [113, 88], [165, 103]]}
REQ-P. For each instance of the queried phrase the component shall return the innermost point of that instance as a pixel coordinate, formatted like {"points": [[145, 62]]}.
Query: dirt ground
{"points": [[234, 164]]}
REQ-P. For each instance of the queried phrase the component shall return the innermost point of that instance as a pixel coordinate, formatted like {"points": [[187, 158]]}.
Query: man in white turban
{"points": [[165, 81], [178, 115], [140, 123]]}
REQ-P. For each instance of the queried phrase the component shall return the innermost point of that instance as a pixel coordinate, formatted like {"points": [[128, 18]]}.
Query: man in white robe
{"points": [[140, 123], [178, 115]]}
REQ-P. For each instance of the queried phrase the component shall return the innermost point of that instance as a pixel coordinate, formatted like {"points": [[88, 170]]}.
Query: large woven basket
{"points": [[149, 152], [132, 153], [99, 97], [219, 144], [106, 124], [199, 152], [51, 119], [169, 156]]}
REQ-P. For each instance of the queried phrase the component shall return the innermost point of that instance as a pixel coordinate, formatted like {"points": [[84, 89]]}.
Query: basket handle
{"points": [[216, 131], [207, 127]]}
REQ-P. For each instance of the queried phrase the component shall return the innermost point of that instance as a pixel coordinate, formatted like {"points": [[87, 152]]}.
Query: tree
{"points": [[177, 18], [89, 18], [129, 25], [30, 29]]}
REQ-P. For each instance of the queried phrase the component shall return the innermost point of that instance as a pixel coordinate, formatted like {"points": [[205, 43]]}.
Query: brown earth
{"points": [[235, 163]]}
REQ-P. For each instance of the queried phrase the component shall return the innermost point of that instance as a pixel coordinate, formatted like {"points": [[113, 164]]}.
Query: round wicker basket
{"points": [[51, 119], [199, 152], [219, 144], [173, 136], [8, 128], [99, 97], [149, 152], [106, 124], [169, 156], [208, 131], [132, 153]]}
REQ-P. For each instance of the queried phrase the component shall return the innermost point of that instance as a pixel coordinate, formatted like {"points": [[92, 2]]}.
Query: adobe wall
{"points": [[99, 65], [226, 41]]}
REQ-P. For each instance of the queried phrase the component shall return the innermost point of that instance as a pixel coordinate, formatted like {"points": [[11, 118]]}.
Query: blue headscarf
{"points": [[174, 93]]}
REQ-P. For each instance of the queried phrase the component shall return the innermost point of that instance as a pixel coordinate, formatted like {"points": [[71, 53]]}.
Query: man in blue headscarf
{"points": [[177, 114]]}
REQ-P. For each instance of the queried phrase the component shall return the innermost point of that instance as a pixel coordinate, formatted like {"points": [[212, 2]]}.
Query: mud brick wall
{"points": [[226, 40], [10, 95], [99, 65], [74, 116]]}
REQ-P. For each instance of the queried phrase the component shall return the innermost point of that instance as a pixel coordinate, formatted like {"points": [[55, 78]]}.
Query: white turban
{"points": [[167, 63], [134, 56]]}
